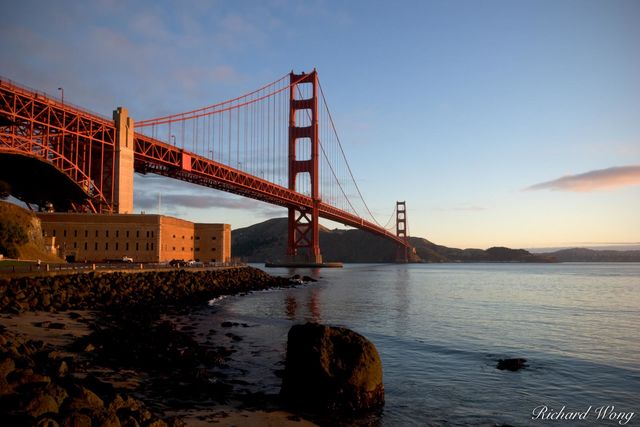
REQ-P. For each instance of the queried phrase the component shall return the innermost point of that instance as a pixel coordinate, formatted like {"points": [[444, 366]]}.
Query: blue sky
{"points": [[511, 123]]}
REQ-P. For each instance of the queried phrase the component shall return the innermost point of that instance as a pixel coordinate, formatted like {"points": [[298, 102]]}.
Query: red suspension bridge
{"points": [[277, 144]]}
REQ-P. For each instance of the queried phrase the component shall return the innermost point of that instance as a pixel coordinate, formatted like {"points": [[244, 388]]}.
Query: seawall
{"points": [[100, 291]]}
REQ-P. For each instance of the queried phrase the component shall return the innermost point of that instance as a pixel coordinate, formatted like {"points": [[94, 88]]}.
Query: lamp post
{"points": [[62, 91]]}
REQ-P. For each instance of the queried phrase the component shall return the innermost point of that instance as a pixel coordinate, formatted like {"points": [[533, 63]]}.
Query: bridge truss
{"points": [[277, 144]]}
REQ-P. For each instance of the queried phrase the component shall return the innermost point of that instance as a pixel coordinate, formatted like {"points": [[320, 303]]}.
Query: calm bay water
{"points": [[441, 328]]}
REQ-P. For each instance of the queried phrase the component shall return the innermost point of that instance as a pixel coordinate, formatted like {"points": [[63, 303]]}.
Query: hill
{"points": [[591, 255], [267, 241], [21, 234]]}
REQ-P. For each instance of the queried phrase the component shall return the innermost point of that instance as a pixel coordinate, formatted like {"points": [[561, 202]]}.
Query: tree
{"points": [[12, 235], [5, 190]]}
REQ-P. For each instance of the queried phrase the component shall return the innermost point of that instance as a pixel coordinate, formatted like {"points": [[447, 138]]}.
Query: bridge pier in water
{"points": [[304, 227], [402, 253]]}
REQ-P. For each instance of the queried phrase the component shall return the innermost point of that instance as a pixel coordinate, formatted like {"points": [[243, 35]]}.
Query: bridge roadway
{"points": [[37, 115]]}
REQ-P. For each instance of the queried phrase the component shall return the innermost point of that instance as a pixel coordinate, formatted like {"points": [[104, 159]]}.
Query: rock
{"points": [[176, 422], [331, 368], [77, 419], [47, 422], [108, 419], [40, 405], [6, 367], [57, 325], [234, 337], [5, 387], [46, 300], [86, 399], [63, 369], [129, 421], [27, 376], [512, 364], [58, 393]]}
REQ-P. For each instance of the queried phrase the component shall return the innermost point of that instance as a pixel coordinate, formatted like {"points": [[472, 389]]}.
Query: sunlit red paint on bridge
{"points": [[277, 144]]}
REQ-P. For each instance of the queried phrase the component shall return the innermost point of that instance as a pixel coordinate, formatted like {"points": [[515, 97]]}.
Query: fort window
{"points": [[54, 232], [117, 234], [64, 233], [147, 234], [96, 233], [152, 234], [116, 246], [85, 246], [147, 246], [127, 233], [106, 246], [197, 249], [213, 249], [75, 233], [86, 233], [213, 238], [151, 246], [137, 246], [96, 247], [137, 233], [75, 245], [126, 246], [106, 233]]}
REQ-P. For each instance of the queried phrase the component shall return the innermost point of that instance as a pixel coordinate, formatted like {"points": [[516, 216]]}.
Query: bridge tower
{"points": [[304, 228], [123, 162], [401, 231]]}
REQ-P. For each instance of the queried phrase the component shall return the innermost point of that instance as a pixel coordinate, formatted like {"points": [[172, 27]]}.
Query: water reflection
{"points": [[314, 307], [292, 306]]}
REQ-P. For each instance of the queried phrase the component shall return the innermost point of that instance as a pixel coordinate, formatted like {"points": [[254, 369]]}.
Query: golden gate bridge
{"points": [[277, 144]]}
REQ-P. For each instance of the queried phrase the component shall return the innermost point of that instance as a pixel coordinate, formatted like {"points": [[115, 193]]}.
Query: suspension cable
{"points": [[344, 156]]}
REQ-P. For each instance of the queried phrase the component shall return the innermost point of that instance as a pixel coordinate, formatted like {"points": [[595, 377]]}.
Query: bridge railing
{"points": [[26, 90]]}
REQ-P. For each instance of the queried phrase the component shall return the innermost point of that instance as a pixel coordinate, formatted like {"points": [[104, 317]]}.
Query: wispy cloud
{"points": [[601, 179], [195, 201], [182, 199], [462, 208]]}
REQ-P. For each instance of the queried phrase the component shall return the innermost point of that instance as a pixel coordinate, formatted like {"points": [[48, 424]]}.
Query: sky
{"points": [[500, 123]]}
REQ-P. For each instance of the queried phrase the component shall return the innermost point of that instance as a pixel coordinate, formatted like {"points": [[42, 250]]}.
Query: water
{"points": [[440, 329]]}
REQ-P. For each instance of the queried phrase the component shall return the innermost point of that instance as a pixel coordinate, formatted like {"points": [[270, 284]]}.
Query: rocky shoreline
{"points": [[131, 365]]}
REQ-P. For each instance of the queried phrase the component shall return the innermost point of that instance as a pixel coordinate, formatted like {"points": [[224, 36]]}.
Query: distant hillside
{"points": [[267, 241], [21, 234], [591, 255]]}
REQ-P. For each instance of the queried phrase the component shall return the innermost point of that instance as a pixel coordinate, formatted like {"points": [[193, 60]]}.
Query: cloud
{"points": [[181, 198], [462, 208], [600, 179], [194, 201]]}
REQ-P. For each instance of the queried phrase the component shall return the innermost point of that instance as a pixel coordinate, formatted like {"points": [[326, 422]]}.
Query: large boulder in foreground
{"points": [[331, 368]]}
